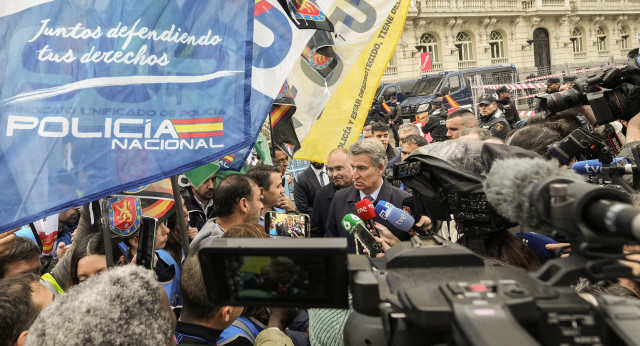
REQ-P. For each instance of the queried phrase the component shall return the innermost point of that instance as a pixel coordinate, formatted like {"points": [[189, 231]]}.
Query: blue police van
{"points": [[398, 90], [456, 84]]}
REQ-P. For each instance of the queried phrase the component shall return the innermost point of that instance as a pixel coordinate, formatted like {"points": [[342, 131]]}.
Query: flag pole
{"points": [[180, 213]]}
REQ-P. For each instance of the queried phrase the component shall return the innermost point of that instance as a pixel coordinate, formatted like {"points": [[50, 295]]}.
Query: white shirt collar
{"points": [[317, 173], [374, 195]]}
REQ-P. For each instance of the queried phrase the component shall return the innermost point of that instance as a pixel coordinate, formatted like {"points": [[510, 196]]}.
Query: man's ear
{"points": [[22, 338], [244, 205], [225, 313], [381, 168]]}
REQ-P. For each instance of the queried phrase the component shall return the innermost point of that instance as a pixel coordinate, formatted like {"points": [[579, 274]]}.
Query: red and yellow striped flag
{"points": [[451, 101], [197, 128]]}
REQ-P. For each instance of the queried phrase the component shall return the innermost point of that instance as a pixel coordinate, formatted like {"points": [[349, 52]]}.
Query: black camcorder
{"points": [[612, 95]]}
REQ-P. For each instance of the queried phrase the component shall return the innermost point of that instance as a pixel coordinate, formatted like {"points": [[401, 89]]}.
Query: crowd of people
{"points": [[72, 296]]}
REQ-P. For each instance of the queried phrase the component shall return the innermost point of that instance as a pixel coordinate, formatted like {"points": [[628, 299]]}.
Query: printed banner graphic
{"points": [[98, 97], [425, 61], [345, 112]]}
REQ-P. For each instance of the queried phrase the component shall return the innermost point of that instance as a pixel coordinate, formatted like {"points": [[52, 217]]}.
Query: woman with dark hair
{"points": [[506, 247], [89, 258]]}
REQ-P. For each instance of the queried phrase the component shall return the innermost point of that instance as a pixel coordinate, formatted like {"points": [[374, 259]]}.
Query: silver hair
{"points": [[122, 306], [409, 127], [371, 147]]}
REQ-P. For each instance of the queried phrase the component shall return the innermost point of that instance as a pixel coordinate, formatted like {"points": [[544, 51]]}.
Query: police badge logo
{"points": [[124, 215], [308, 11], [499, 127], [319, 61]]}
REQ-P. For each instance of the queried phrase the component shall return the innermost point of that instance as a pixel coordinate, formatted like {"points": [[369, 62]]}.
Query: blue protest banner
{"points": [[100, 96]]}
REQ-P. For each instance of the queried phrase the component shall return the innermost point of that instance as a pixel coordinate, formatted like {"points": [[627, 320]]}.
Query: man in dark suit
{"points": [[340, 174], [368, 160], [310, 181]]}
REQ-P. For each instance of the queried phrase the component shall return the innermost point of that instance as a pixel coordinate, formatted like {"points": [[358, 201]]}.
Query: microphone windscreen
{"points": [[366, 210], [400, 219], [508, 184], [350, 221], [381, 209], [587, 167]]}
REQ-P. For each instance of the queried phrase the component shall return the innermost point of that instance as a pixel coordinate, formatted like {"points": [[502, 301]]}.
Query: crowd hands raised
{"points": [[71, 297]]}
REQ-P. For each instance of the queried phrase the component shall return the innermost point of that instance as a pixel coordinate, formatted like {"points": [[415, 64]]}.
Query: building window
{"points": [[465, 47], [624, 38], [576, 39], [429, 43], [497, 45], [601, 38]]}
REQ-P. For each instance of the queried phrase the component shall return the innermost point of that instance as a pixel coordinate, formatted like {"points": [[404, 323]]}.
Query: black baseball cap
{"points": [[486, 100], [567, 79], [436, 101], [502, 89], [553, 80]]}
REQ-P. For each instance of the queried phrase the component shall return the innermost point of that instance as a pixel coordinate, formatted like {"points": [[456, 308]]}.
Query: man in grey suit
{"points": [[368, 160]]}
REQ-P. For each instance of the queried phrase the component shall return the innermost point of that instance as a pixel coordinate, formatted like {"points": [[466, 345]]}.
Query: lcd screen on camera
{"points": [[276, 272]]}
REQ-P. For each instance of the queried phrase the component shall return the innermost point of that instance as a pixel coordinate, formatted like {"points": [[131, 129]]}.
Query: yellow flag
{"points": [[344, 115]]}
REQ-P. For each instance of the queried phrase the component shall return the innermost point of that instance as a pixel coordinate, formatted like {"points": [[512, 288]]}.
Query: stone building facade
{"points": [[538, 36]]}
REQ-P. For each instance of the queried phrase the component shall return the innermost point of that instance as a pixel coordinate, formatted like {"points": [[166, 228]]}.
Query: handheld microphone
{"points": [[354, 225], [382, 209], [590, 167], [366, 212], [398, 218]]}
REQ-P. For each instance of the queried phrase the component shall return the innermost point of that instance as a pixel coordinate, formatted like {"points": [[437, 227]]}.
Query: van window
{"points": [[389, 93], [452, 84], [405, 87]]}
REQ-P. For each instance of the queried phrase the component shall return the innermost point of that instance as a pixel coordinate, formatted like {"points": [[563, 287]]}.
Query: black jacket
{"points": [[305, 189], [197, 216], [344, 202], [321, 205], [496, 123]]}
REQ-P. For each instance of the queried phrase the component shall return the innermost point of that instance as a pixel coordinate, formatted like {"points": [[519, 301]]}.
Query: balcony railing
{"points": [[497, 61], [580, 55], [463, 65], [506, 4], [603, 54], [553, 3], [436, 67], [391, 71], [440, 6], [473, 4]]}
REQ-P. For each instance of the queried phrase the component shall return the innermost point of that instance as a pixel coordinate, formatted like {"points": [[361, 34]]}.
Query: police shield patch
{"points": [[499, 127], [124, 215]]}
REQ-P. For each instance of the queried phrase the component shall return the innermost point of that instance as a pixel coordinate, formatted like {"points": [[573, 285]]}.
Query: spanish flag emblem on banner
{"points": [[198, 128], [344, 115]]}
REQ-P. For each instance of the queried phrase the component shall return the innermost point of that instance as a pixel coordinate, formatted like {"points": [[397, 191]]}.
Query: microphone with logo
{"points": [[398, 218], [354, 225], [367, 212], [590, 167]]}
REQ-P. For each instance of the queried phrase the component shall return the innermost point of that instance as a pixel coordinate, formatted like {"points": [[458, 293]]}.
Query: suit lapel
{"points": [[311, 175], [385, 193], [352, 198]]}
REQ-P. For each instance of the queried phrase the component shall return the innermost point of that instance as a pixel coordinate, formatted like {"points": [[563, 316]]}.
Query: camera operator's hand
{"points": [[424, 223], [587, 113], [565, 248]]}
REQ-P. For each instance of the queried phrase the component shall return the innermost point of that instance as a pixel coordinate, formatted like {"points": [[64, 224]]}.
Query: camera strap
{"points": [[612, 135]]}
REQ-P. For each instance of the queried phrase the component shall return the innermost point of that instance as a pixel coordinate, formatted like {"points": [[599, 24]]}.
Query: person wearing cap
{"points": [[492, 118], [553, 85], [507, 106], [436, 124], [567, 82]]}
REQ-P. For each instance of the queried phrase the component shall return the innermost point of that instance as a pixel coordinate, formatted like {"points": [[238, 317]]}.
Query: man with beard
{"points": [[307, 184], [199, 202], [238, 200], [340, 174]]}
